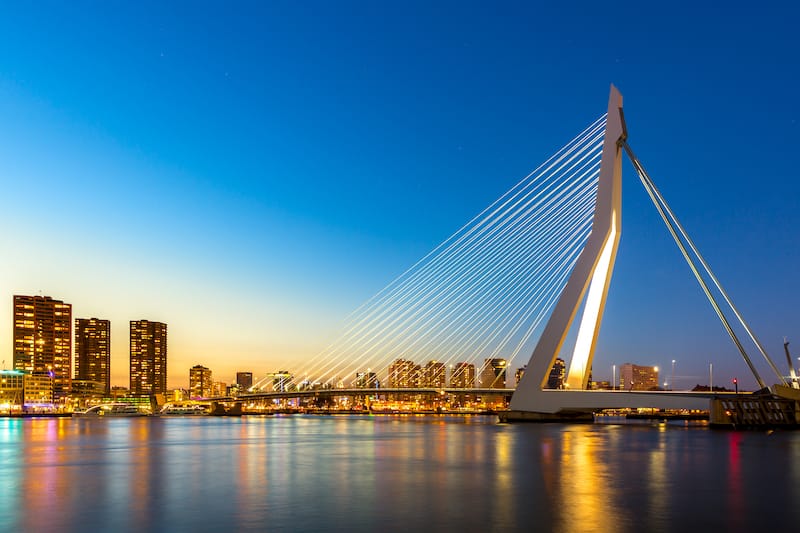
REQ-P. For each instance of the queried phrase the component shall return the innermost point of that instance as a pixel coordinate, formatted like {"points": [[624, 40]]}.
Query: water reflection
{"points": [[390, 474]]}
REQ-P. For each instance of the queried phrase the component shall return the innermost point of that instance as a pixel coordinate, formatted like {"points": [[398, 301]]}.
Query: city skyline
{"points": [[251, 186]]}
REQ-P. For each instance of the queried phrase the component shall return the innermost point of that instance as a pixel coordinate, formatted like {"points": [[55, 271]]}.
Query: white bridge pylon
{"points": [[592, 273]]}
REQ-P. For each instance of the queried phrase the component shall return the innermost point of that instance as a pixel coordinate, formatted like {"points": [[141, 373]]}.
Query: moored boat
{"points": [[179, 409], [111, 409]]}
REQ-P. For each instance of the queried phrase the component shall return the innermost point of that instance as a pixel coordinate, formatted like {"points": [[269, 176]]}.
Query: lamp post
{"points": [[672, 379], [613, 377], [711, 377], [51, 375]]}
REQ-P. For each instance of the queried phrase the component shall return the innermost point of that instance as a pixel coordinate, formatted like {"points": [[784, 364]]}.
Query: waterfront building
{"points": [[462, 376], [493, 374], [85, 388], [219, 388], [244, 380], [557, 374], [200, 383], [434, 374], [148, 353], [404, 374], [11, 388], [42, 339], [40, 392], [635, 377], [367, 380], [93, 351]]}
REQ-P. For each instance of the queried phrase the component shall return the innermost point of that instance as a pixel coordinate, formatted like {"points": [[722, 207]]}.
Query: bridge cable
{"points": [[418, 280], [654, 197], [500, 222]]}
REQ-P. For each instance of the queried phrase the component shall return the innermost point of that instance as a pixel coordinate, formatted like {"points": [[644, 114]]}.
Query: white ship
{"points": [[180, 409], [111, 409]]}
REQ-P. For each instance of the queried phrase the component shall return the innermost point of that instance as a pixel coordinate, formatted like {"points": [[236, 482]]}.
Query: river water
{"points": [[386, 473]]}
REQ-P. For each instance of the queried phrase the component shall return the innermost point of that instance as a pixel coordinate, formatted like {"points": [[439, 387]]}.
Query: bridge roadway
{"points": [[331, 393], [592, 399]]}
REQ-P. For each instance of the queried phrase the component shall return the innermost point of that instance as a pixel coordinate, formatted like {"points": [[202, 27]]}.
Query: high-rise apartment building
{"points": [[43, 340], [93, 351], [635, 377], [434, 375], [463, 376], [200, 384], [404, 374], [493, 374], [148, 357]]}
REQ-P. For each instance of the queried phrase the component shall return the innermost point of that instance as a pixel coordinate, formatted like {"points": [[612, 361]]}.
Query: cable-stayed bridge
{"points": [[510, 283]]}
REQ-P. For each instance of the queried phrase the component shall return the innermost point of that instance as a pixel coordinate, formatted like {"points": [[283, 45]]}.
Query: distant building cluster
{"points": [[43, 373]]}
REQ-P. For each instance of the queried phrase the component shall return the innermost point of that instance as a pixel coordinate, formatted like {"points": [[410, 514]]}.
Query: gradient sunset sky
{"points": [[251, 172]]}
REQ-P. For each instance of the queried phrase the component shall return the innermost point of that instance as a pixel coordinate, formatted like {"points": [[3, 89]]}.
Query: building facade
{"points": [[148, 345], [434, 374], [244, 380], [635, 377], [493, 374], [404, 374], [557, 374], [93, 351], [12, 386], [200, 384], [463, 376], [43, 340]]}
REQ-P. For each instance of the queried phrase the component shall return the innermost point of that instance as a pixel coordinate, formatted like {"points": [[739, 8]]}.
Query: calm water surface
{"points": [[307, 473]]}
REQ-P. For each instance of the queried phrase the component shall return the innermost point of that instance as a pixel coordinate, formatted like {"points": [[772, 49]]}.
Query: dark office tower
{"points": [[557, 373], [93, 351], [493, 374], [244, 380], [148, 357], [43, 339]]}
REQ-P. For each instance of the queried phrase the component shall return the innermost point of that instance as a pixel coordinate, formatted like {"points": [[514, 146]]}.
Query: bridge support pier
{"points": [[562, 416]]}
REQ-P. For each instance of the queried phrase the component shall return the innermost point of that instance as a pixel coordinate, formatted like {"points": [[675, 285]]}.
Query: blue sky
{"points": [[251, 173]]}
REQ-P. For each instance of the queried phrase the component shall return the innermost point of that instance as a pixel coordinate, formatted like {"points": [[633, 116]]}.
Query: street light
{"points": [[711, 377], [614, 377], [672, 379], [51, 375]]}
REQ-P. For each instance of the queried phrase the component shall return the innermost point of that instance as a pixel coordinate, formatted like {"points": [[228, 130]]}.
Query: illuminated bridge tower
{"points": [[592, 273], [588, 283]]}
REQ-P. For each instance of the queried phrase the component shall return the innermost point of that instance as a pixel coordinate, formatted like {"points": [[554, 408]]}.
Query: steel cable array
{"points": [[483, 292]]}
